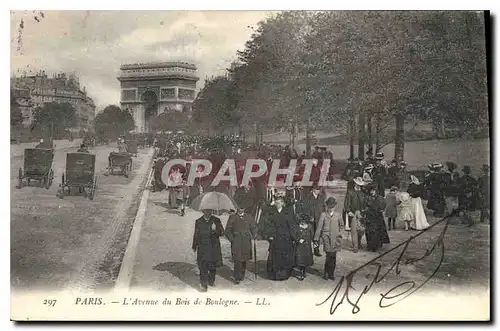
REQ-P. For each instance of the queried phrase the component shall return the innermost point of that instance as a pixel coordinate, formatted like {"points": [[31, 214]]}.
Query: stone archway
{"points": [[150, 102]]}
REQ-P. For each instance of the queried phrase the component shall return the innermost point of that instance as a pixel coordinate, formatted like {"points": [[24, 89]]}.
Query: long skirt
{"points": [[373, 234], [281, 259], [419, 220]]}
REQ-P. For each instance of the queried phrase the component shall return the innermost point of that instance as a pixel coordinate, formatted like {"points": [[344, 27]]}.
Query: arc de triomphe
{"points": [[149, 89]]}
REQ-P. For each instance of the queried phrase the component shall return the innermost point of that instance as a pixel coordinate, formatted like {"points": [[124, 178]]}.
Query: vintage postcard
{"points": [[250, 165]]}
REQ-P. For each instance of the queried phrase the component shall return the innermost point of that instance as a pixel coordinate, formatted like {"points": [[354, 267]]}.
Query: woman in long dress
{"points": [[376, 231], [415, 190]]}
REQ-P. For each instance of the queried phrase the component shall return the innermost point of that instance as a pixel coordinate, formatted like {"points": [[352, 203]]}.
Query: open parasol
{"points": [[213, 200]]}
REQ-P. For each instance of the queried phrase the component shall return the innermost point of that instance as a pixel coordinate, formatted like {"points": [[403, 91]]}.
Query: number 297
{"points": [[50, 303]]}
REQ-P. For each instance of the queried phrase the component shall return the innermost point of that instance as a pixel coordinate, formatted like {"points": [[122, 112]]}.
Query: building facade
{"points": [[149, 89], [36, 90]]}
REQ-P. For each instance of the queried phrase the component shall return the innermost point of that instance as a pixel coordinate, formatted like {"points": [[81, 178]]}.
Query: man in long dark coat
{"points": [[354, 205], [277, 228], [315, 205], [437, 184], [484, 183], [240, 231], [206, 243], [379, 174]]}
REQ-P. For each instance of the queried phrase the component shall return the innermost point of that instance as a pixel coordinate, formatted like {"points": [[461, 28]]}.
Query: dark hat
{"points": [[379, 156], [393, 161], [331, 202], [451, 165], [394, 188], [437, 165], [466, 169], [403, 163]]}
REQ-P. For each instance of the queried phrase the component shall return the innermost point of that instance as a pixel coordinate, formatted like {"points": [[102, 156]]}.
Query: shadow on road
{"points": [[261, 268], [186, 272]]}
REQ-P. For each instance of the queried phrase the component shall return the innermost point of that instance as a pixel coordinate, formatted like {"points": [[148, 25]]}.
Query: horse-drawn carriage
{"points": [[37, 166], [121, 161], [79, 174]]}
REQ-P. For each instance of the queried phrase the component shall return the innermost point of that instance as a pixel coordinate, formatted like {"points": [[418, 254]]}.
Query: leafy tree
{"points": [[113, 122], [53, 119], [171, 121], [214, 107]]}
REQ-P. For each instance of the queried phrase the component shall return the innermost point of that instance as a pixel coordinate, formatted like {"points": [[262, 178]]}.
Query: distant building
{"points": [[36, 90], [149, 89]]}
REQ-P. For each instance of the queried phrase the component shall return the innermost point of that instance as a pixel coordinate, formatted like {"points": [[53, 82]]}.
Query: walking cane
{"points": [[255, 267]]}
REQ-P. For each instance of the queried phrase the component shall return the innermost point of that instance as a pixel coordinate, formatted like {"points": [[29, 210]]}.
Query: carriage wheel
{"points": [[20, 178]]}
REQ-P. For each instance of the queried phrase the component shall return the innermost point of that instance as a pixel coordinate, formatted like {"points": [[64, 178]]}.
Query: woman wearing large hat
{"points": [[368, 173], [415, 190]]}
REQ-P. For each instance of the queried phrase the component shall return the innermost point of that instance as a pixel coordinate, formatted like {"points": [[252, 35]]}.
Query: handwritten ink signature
{"points": [[398, 292]]}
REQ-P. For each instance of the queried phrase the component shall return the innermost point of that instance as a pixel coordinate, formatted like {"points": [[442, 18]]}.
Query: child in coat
{"points": [[405, 213], [303, 247], [391, 212]]}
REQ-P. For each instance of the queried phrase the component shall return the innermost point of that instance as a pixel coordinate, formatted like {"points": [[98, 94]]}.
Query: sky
{"points": [[94, 44]]}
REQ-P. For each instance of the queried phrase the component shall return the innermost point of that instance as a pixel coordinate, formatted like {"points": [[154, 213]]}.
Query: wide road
{"points": [[164, 261], [72, 242]]}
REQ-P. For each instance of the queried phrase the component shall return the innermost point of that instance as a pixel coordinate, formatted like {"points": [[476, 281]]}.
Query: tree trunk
{"points": [[361, 136], [399, 141], [377, 133], [350, 131], [257, 142], [295, 132], [308, 139], [369, 131]]}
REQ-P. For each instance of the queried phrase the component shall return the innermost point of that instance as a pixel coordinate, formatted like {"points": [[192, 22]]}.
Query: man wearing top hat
{"points": [[240, 231], [379, 174], [315, 205], [484, 193], [354, 206]]}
